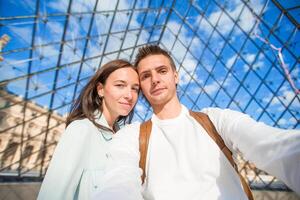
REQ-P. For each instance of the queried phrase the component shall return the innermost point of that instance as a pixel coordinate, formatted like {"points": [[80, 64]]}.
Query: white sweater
{"points": [[183, 162], [79, 166]]}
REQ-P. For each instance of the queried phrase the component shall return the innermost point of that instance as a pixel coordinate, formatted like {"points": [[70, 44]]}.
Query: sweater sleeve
{"points": [[123, 177], [274, 150], [65, 169]]}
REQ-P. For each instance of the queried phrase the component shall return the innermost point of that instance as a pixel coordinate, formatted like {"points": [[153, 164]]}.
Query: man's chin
{"points": [[156, 102]]}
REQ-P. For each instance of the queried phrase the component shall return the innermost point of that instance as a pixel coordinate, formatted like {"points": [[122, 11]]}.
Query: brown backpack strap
{"points": [[145, 131], [207, 124]]}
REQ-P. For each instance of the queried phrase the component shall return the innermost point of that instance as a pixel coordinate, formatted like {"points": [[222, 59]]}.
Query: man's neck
{"points": [[169, 110]]}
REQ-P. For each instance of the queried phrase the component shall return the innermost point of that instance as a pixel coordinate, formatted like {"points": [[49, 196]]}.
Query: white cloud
{"points": [[259, 110], [211, 88], [130, 39], [231, 60], [77, 6], [58, 5], [55, 27], [225, 24], [102, 24], [125, 4], [23, 33], [292, 120], [184, 78], [247, 20], [296, 73], [249, 57], [6, 66], [93, 49], [83, 5], [107, 5], [282, 122], [120, 22], [196, 46], [189, 63], [68, 55], [255, 66], [37, 85], [174, 26], [228, 80], [287, 96], [259, 63], [168, 38]]}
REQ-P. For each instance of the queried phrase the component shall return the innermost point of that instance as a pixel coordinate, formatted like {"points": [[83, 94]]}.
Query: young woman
{"points": [[80, 161]]}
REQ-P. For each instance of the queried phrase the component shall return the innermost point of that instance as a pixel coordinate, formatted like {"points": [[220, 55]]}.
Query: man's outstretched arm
{"points": [[274, 150]]}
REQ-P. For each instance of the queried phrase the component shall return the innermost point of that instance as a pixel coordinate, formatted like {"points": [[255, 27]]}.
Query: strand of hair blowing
{"points": [[86, 105], [89, 102]]}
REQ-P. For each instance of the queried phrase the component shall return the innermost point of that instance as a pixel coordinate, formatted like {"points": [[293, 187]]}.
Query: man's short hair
{"points": [[149, 50]]}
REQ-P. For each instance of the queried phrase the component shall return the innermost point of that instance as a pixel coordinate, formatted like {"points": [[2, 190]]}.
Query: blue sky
{"points": [[220, 60]]}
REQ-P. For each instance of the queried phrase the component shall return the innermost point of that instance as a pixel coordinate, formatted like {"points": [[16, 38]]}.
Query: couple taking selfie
{"points": [[177, 154]]}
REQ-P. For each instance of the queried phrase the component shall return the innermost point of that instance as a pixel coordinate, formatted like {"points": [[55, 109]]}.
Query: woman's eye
{"points": [[120, 85], [136, 89]]}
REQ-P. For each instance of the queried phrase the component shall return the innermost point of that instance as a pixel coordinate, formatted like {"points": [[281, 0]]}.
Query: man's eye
{"points": [[163, 71], [120, 85], [143, 77]]}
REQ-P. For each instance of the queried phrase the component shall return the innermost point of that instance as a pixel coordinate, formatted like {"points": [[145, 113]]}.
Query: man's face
{"points": [[157, 79]]}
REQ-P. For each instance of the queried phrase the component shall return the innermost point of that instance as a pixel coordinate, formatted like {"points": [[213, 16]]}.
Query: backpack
{"points": [[205, 122]]}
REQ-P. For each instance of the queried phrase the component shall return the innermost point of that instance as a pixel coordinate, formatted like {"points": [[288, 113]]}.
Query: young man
{"points": [[183, 162]]}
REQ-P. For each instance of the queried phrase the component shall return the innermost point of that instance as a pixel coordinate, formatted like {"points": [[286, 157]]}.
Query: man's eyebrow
{"points": [[143, 72], [156, 68], [161, 66]]}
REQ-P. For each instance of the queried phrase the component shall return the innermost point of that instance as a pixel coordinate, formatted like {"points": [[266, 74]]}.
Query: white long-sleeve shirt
{"points": [[79, 166], [183, 162]]}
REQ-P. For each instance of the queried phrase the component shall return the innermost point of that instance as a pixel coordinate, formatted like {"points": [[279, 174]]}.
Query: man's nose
{"points": [[155, 79]]}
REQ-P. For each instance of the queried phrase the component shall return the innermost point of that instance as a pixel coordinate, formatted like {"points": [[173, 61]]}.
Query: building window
{"points": [[9, 154], [2, 117], [26, 155]]}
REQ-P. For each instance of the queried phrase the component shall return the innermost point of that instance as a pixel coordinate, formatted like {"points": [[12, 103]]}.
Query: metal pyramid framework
{"points": [[241, 54]]}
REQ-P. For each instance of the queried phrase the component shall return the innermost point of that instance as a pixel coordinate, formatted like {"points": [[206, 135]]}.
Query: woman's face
{"points": [[120, 93]]}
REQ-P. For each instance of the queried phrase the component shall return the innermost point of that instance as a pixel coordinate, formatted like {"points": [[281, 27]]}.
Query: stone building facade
{"points": [[27, 140]]}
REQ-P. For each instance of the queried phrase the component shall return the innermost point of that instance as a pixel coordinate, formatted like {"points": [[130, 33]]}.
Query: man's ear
{"points": [[100, 89], [176, 76]]}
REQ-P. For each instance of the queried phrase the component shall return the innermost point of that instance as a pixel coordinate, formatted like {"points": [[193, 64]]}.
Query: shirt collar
{"points": [[182, 113], [100, 118]]}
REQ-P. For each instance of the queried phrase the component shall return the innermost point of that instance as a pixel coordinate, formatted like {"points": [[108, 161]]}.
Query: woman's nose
{"points": [[128, 93]]}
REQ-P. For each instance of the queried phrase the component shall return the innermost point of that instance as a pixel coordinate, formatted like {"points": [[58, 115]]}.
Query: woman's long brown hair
{"points": [[89, 101]]}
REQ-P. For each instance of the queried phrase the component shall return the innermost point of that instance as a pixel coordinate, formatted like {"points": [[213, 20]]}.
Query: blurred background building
{"points": [[240, 54], [23, 147]]}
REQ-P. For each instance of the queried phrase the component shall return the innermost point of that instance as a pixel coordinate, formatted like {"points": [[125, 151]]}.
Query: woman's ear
{"points": [[100, 89]]}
